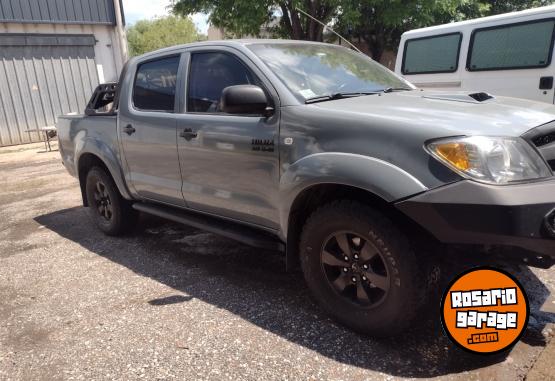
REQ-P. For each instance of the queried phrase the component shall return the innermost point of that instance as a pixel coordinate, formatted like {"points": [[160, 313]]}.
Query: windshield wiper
{"points": [[334, 96], [392, 89]]}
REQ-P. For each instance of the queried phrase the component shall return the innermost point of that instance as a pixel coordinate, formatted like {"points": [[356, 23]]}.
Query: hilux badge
{"points": [[264, 145]]}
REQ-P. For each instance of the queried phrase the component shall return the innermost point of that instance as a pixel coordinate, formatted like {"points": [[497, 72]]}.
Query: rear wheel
{"points": [[111, 213], [361, 269]]}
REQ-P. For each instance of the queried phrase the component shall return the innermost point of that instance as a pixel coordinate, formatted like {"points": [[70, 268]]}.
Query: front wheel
{"points": [[111, 213], [360, 268]]}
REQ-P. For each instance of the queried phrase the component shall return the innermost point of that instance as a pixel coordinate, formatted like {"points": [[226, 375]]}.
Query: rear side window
{"points": [[155, 82], [210, 74], [515, 46], [427, 55]]}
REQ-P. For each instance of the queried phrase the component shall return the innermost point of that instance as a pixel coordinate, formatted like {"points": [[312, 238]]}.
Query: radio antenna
{"points": [[330, 28]]}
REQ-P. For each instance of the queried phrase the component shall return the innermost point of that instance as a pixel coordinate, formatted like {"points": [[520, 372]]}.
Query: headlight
{"points": [[492, 160]]}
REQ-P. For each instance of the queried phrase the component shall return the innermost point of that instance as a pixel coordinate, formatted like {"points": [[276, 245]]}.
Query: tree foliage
{"points": [[147, 35], [495, 7], [378, 23], [245, 17]]}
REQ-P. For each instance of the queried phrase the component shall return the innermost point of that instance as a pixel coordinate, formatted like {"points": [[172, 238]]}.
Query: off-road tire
{"points": [[123, 217], [399, 305]]}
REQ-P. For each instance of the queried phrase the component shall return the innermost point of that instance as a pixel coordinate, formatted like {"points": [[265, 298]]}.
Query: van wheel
{"points": [[360, 268], [111, 213]]}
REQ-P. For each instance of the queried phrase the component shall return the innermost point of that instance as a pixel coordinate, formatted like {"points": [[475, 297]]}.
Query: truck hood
{"points": [[448, 113]]}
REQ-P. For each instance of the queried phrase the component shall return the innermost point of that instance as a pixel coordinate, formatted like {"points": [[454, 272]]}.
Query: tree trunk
{"points": [[376, 46], [298, 33], [313, 25], [309, 30], [377, 51], [285, 20]]}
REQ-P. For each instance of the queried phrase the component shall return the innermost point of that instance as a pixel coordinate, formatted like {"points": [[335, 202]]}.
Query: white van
{"points": [[509, 54]]}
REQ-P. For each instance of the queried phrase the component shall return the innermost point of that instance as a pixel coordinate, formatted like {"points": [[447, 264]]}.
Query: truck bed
{"points": [[77, 131]]}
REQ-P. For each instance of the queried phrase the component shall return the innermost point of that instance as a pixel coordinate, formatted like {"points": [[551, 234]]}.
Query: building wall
{"points": [[109, 52], [53, 53], [215, 33]]}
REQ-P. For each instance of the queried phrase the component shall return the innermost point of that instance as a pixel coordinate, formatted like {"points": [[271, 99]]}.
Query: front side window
{"points": [[155, 83], [210, 74], [310, 71], [437, 54], [516, 46]]}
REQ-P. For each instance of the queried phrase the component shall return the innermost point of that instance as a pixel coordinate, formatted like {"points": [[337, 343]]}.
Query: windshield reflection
{"points": [[320, 70]]}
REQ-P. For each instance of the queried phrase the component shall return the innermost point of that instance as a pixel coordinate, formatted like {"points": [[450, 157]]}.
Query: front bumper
{"points": [[514, 216]]}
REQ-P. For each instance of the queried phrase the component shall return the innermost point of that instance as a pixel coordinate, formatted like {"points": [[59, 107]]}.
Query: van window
{"points": [[515, 46], [155, 82], [436, 54]]}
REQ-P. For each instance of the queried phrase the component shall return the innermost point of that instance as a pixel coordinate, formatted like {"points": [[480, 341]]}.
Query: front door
{"points": [[147, 128], [229, 163]]}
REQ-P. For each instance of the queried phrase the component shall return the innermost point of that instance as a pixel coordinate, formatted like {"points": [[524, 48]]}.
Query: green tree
{"points": [[147, 35], [245, 17], [378, 23], [495, 7]]}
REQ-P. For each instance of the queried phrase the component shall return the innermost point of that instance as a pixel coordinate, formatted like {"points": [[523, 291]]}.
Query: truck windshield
{"points": [[316, 71]]}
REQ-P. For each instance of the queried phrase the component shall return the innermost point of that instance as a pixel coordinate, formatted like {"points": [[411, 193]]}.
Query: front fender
{"points": [[108, 156], [379, 177]]}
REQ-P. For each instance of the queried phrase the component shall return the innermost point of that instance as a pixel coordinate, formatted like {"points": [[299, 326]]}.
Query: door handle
{"points": [[546, 83], [129, 130], [188, 134]]}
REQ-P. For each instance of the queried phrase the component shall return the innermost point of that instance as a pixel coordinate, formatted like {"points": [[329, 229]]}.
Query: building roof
{"points": [[58, 11]]}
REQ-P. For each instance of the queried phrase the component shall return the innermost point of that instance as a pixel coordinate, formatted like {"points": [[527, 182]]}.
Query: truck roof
{"points": [[231, 43]]}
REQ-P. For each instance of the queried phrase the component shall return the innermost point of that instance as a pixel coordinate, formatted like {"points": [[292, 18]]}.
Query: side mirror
{"points": [[246, 100]]}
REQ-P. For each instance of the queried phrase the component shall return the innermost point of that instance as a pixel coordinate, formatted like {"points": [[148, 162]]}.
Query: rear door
{"points": [[512, 60], [147, 129]]}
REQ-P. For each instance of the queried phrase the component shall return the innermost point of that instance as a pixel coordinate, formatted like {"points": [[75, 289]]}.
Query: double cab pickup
{"points": [[317, 151]]}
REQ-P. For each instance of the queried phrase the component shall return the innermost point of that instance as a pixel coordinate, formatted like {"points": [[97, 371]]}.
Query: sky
{"points": [[146, 9]]}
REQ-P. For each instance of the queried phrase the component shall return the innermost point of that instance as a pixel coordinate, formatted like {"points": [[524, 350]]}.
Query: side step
{"points": [[237, 232]]}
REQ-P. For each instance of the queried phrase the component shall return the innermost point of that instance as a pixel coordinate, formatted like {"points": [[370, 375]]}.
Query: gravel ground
{"points": [[171, 302]]}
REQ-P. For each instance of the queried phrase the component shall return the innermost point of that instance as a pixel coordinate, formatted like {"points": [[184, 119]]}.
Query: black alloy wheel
{"points": [[355, 268], [361, 268], [111, 213], [103, 201]]}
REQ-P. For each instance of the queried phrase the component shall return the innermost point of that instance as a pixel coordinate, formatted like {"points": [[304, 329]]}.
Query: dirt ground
{"points": [[171, 302]]}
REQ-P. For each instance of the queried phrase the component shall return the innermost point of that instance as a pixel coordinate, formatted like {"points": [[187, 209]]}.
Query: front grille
{"points": [[543, 138]]}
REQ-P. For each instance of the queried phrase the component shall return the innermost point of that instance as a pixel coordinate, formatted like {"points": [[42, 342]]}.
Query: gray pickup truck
{"points": [[317, 151]]}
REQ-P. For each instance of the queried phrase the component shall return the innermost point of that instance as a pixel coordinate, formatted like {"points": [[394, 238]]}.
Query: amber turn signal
{"points": [[454, 153]]}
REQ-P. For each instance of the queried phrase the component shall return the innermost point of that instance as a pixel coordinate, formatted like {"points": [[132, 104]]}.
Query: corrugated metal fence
{"points": [[41, 77]]}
